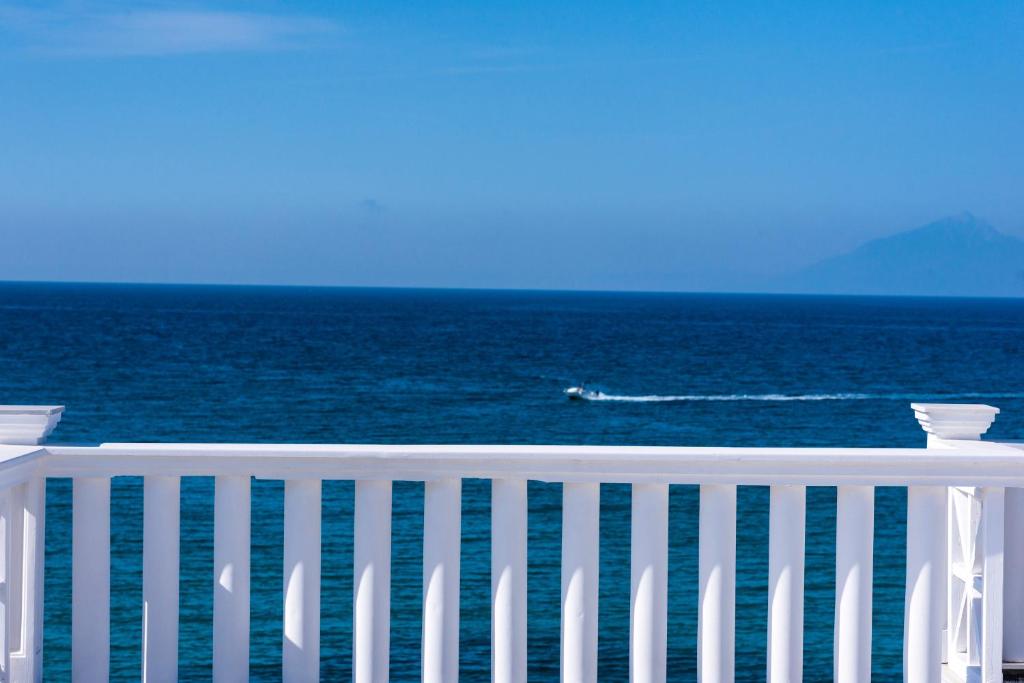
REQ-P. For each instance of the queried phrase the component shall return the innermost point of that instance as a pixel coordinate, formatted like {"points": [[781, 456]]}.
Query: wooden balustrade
{"points": [[954, 462]]}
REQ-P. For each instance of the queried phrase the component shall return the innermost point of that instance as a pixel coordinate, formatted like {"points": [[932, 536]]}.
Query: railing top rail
{"points": [[963, 463], [964, 447], [19, 463], [30, 410]]}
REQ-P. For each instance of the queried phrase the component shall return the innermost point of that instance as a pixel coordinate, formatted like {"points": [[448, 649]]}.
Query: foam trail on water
{"points": [[654, 398]]}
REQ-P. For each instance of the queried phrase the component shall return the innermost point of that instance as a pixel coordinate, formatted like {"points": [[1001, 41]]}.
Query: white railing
{"points": [[960, 595]]}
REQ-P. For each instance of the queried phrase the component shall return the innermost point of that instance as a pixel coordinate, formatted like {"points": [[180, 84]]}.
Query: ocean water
{"points": [[170, 363]]}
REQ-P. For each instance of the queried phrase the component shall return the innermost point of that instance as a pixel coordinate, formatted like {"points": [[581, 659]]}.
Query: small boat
{"points": [[581, 392]]}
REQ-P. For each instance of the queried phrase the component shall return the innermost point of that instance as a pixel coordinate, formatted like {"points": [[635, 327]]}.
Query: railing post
{"points": [[1013, 576], [942, 571], [25, 531], [27, 624]]}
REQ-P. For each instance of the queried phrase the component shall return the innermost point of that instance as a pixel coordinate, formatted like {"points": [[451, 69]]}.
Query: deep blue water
{"points": [[170, 363]]}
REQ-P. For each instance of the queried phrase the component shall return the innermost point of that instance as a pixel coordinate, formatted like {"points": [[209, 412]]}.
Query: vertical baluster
{"points": [[231, 539], [581, 518], [924, 607], [508, 580], [990, 535], [301, 641], [160, 551], [5, 585], [90, 579], [35, 511], [649, 583], [717, 576], [372, 582], [786, 583], [442, 526], [855, 528]]}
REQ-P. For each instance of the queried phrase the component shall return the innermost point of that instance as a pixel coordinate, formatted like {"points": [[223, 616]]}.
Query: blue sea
{"points": [[262, 364]]}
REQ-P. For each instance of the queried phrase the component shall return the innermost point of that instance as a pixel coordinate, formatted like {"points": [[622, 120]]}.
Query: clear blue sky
{"points": [[637, 146]]}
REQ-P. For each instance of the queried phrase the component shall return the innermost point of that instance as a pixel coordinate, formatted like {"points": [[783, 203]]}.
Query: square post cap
{"points": [[28, 425], [967, 421]]}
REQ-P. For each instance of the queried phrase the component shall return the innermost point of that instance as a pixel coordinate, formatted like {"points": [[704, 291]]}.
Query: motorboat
{"points": [[581, 393]]}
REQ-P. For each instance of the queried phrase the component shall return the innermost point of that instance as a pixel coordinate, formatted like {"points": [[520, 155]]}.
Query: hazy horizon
{"points": [[580, 147]]}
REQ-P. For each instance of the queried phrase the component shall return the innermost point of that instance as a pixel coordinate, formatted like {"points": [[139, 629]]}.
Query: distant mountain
{"points": [[956, 256]]}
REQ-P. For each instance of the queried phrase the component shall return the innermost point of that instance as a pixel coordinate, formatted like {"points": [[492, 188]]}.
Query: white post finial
{"points": [[954, 420], [28, 425]]}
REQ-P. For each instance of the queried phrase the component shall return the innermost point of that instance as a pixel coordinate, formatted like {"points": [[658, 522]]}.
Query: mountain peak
{"points": [[961, 225], [960, 255]]}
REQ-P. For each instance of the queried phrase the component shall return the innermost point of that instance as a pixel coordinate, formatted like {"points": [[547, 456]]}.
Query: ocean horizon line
{"points": [[503, 290]]}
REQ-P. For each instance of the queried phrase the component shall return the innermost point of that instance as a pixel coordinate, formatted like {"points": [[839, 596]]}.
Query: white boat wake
{"points": [[591, 395]]}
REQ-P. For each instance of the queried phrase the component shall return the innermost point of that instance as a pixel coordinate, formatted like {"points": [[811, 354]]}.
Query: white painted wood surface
{"points": [[716, 621], [35, 535], [967, 463], [15, 568], [855, 528], [1013, 576], [371, 633], [5, 584], [442, 527], [648, 614], [90, 579], [581, 519], [301, 637], [991, 534], [508, 580], [924, 606], [786, 517], [28, 424], [232, 517], [956, 460], [161, 528], [972, 571]]}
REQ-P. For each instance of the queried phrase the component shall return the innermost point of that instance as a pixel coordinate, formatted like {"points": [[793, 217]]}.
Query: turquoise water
{"points": [[138, 363]]}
